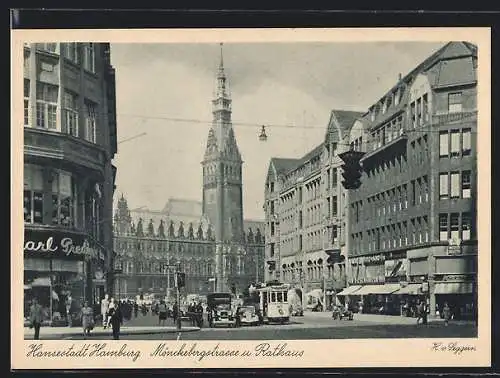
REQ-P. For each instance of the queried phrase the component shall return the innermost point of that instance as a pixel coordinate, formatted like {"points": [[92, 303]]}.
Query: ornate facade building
{"points": [[69, 144], [210, 241]]}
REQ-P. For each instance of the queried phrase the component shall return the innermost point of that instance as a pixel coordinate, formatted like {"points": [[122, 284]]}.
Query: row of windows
{"points": [[73, 51], [455, 143], [419, 151], [313, 215], [386, 133], [419, 111], [454, 226], [455, 185], [46, 108], [66, 204], [392, 236], [163, 247], [313, 241], [331, 178], [314, 273], [192, 267], [313, 190], [332, 205], [385, 104], [392, 200], [387, 170], [228, 170]]}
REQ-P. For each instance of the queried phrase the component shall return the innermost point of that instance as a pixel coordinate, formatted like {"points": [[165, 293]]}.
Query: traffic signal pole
{"points": [[179, 324], [351, 172]]}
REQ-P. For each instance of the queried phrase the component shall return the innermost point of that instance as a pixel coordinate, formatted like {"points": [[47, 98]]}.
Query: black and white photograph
{"points": [[250, 191]]}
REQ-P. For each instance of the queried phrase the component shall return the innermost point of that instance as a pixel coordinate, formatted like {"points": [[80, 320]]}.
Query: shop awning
{"points": [[350, 290], [453, 288], [411, 289], [378, 289]]}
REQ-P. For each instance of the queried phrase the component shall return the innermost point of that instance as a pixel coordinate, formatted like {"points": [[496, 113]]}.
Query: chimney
{"points": [[399, 77]]}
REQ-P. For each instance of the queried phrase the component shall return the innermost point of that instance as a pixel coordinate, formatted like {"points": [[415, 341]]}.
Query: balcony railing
{"points": [[454, 117], [60, 146]]}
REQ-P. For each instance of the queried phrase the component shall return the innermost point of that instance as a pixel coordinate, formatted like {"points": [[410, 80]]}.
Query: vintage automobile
{"points": [[339, 312], [220, 311], [296, 310], [247, 315]]}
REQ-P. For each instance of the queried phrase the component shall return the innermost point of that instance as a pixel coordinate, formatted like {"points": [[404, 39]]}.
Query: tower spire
{"points": [[221, 63]]}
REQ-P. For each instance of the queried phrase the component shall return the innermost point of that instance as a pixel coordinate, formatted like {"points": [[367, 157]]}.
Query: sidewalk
{"points": [[383, 319], [124, 331]]}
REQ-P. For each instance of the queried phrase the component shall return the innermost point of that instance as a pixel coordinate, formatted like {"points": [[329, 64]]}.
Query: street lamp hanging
{"points": [[263, 136]]}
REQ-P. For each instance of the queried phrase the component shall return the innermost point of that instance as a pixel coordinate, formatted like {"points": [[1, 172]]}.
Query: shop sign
{"points": [[366, 280], [425, 287], [455, 277], [60, 244], [367, 260]]}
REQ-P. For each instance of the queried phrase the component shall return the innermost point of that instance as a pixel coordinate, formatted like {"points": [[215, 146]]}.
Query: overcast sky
{"points": [[159, 86]]}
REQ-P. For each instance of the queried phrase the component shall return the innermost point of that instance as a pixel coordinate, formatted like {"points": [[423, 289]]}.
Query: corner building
{"points": [[69, 144], [412, 223]]}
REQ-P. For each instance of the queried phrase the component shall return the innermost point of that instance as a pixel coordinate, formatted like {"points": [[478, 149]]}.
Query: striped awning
{"points": [[378, 289], [349, 290], [410, 289]]}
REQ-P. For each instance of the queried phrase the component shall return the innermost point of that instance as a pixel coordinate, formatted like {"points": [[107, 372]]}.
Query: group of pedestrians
{"points": [[422, 313]]}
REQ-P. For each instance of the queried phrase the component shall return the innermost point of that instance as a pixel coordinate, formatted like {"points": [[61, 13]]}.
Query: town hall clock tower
{"points": [[222, 180]]}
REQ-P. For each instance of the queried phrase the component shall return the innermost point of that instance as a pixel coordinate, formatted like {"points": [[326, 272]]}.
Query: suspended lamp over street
{"points": [[263, 136]]}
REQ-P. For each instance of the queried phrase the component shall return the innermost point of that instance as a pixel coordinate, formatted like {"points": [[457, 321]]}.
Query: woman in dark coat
{"points": [[116, 320], [446, 313]]}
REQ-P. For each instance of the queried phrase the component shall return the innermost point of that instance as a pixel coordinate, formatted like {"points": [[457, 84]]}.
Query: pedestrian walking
{"points": [[424, 314], [105, 310], [162, 312], [87, 319], [446, 313], [36, 317], [175, 311], [136, 309], [420, 311], [69, 305], [115, 320], [199, 313]]}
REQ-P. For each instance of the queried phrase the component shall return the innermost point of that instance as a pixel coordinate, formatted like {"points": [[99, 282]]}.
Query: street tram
{"points": [[274, 303]]}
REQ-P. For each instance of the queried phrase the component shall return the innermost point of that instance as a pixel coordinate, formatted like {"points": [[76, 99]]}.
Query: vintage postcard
{"points": [[251, 198]]}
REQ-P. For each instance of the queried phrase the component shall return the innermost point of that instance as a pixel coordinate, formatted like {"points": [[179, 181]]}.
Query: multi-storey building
{"points": [[305, 225], [218, 243], [69, 144], [412, 233]]}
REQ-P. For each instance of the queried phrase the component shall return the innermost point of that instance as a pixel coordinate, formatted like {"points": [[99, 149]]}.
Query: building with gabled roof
{"points": [[303, 200]]}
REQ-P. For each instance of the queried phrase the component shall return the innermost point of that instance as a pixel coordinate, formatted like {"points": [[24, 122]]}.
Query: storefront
{"points": [[454, 283], [59, 268]]}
